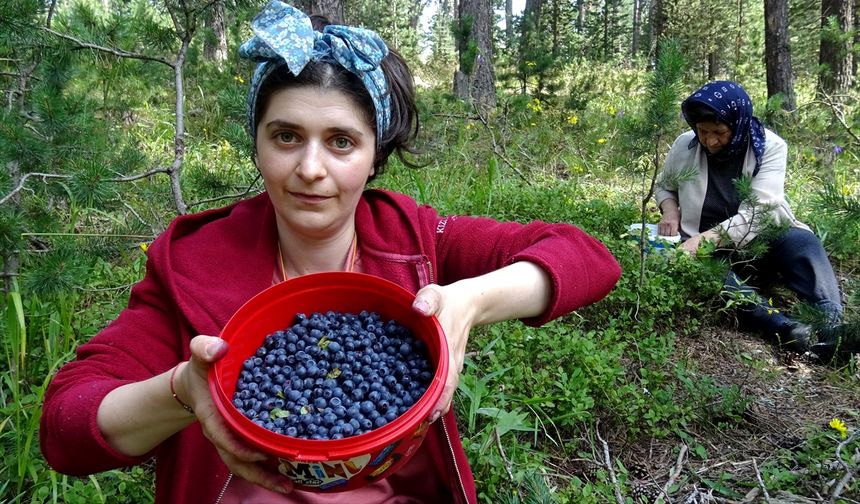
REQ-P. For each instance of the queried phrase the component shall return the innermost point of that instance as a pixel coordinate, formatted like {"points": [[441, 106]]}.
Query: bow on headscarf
{"points": [[733, 106], [284, 35]]}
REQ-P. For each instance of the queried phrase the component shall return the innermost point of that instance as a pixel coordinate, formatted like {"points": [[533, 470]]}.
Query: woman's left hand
{"points": [[455, 313], [694, 242], [519, 290]]}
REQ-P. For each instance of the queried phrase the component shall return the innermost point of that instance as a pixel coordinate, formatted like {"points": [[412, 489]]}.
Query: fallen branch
{"points": [[504, 457], [761, 482], [23, 181], [496, 149], [849, 471], [840, 116], [607, 462], [675, 472]]}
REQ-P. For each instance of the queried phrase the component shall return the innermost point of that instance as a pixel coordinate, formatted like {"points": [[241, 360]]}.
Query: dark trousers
{"points": [[797, 260]]}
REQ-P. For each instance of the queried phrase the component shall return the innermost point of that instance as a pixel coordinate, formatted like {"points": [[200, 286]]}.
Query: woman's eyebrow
{"points": [[346, 131], [280, 123]]}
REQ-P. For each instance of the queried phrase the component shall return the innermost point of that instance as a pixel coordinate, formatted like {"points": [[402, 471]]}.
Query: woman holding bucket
{"points": [[327, 106]]}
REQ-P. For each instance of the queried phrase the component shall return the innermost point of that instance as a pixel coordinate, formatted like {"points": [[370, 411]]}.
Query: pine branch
{"points": [[23, 181], [226, 196], [840, 116], [139, 176], [110, 50]]}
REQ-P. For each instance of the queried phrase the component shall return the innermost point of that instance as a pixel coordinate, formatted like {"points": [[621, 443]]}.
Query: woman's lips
{"points": [[310, 198]]}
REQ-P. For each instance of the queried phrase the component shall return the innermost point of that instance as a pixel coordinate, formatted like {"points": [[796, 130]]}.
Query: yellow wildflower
{"points": [[601, 141], [143, 246], [573, 119], [839, 426], [812, 158], [612, 110], [535, 105], [534, 124], [771, 311], [239, 79], [531, 64]]}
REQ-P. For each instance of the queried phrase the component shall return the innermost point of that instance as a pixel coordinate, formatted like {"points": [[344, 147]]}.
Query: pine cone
{"points": [[644, 492]]}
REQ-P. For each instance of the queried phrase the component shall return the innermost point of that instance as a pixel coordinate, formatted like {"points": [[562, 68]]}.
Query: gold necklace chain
{"points": [[351, 265]]}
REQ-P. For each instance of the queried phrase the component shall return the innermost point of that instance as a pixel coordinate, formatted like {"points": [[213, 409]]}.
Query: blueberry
{"points": [[339, 373]]}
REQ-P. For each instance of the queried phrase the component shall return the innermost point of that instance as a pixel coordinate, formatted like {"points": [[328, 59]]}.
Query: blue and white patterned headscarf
{"points": [[733, 106], [284, 35]]}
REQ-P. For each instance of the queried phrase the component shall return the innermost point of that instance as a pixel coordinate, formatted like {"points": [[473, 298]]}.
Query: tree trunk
{"points": [[657, 20], [580, 16], [834, 56], [215, 47], [509, 24], [605, 51], [533, 9], [712, 66], [415, 18], [331, 9], [778, 52], [479, 86], [529, 29], [637, 20], [739, 36], [554, 23], [856, 62], [16, 104]]}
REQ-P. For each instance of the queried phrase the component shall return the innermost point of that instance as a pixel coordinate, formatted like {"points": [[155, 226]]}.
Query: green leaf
{"points": [[279, 413]]}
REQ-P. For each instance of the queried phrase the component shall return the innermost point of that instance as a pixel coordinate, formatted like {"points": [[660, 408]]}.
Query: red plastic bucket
{"points": [[342, 464]]}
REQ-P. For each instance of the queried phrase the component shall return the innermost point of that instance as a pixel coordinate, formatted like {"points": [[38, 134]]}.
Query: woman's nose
{"points": [[311, 165]]}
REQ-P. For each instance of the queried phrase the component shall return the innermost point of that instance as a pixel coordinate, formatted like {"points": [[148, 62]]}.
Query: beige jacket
{"points": [[768, 186]]}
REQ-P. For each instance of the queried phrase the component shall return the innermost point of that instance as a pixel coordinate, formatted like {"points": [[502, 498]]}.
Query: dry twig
{"points": [[116, 52], [761, 482], [498, 150], [673, 475], [849, 471], [607, 462], [23, 180], [504, 457]]}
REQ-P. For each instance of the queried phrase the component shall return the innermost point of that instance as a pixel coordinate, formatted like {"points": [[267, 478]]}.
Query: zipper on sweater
{"points": [[445, 428], [454, 459], [224, 490], [430, 270]]}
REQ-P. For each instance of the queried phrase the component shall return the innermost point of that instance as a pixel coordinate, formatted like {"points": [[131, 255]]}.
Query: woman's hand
{"points": [[192, 387], [456, 316], [670, 223], [694, 242], [519, 290]]}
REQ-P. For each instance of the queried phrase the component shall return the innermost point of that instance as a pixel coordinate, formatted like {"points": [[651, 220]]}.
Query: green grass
{"points": [[530, 400]]}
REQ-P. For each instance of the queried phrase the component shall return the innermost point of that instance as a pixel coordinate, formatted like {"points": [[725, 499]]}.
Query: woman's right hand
{"points": [[670, 223], [192, 386]]}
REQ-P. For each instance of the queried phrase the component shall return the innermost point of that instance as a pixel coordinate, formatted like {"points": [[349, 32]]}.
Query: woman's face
{"points": [[713, 135], [315, 151]]}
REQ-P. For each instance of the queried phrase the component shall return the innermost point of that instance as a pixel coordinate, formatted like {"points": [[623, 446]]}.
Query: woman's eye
{"points": [[342, 143], [286, 137]]}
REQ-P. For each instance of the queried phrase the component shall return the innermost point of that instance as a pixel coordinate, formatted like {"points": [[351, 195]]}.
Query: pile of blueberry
{"points": [[333, 375]]}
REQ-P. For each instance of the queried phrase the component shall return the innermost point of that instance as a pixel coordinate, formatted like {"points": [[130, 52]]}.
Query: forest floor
{"points": [[790, 402]]}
